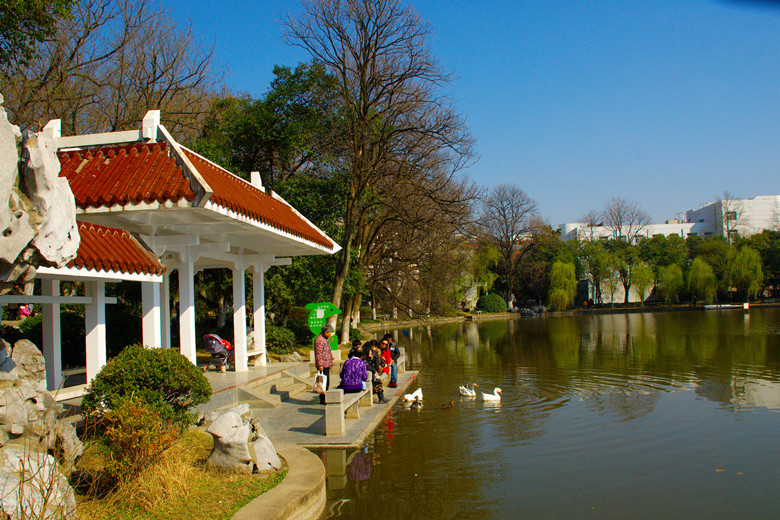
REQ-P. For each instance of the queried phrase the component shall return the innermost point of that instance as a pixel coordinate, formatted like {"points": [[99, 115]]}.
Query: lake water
{"points": [[640, 416]]}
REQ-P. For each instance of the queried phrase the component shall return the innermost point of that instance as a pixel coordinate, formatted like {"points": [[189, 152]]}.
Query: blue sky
{"points": [[667, 103]]}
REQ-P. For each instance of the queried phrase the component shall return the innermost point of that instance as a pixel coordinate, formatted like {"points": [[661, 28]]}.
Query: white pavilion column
{"points": [[165, 309], [258, 311], [151, 314], [187, 306], [95, 321], [52, 335], [239, 315]]}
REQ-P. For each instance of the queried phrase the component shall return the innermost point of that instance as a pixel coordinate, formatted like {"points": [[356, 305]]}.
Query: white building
{"points": [[746, 216], [719, 218], [583, 231]]}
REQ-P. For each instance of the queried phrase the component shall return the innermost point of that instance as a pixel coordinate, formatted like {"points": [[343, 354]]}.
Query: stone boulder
{"points": [[31, 486], [240, 444], [37, 212], [291, 358], [34, 441]]}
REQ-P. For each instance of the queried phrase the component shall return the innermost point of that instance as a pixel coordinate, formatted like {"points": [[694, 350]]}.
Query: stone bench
{"points": [[340, 406], [254, 353]]}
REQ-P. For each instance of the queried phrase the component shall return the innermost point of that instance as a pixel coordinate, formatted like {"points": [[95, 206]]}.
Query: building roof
{"points": [[113, 250], [124, 174], [236, 194], [121, 176]]}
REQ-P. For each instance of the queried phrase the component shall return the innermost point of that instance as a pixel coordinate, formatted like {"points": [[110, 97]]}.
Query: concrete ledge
{"points": [[300, 496]]}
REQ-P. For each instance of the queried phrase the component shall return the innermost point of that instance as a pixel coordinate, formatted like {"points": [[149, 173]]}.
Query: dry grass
{"points": [[179, 486]]}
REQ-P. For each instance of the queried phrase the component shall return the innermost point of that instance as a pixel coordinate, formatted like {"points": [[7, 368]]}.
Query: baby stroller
{"points": [[221, 352]]}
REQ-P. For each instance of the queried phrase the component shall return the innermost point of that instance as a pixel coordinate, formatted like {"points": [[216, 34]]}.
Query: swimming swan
{"points": [[468, 392], [495, 396], [417, 394]]}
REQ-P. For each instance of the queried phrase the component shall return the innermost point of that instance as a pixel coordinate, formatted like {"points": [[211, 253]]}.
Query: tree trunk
{"points": [[346, 318], [221, 311]]}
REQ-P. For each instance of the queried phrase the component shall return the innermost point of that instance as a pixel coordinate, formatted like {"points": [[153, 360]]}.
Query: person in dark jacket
{"points": [[374, 363]]}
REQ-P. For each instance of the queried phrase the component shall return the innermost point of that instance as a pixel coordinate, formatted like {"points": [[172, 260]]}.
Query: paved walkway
{"points": [[301, 420]]}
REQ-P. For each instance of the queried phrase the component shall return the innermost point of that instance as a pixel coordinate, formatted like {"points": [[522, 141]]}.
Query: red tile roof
{"points": [[126, 174], [135, 173], [233, 193], [108, 249]]}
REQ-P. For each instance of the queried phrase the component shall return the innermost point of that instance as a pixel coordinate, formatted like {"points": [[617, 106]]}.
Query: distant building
{"points": [[745, 216], [720, 218], [582, 231]]}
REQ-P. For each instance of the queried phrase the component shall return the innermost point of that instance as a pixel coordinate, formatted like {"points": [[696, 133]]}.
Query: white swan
{"points": [[417, 394], [495, 396], [468, 392]]}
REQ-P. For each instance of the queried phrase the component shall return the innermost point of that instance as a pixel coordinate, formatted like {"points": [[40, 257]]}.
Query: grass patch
{"points": [[178, 486]]}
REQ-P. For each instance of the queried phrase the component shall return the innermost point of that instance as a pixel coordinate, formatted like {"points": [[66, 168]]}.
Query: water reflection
{"points": [[590, 403]]}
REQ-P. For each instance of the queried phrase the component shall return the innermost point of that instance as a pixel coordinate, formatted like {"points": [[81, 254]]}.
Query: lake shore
{"points": [[381, 326]]}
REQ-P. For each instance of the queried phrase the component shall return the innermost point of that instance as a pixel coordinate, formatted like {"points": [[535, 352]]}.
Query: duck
{"points": [[448, 406], [495, 396], [468, 392], [416, 404], [414, 395]]}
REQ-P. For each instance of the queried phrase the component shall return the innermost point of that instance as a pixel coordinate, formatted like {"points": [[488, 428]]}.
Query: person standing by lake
{"points": [[395, 353], [323, 357]]}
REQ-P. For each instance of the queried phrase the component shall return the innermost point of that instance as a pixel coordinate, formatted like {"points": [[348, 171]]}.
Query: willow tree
{"points": [[396, 121], [671, 282], [744, 271], [642, 278], [596, 261], [701, 281], [610, 276], [563, 286]]}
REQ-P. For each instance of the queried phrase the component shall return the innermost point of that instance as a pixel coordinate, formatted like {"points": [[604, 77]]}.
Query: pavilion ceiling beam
{"points": [[160, 244]]}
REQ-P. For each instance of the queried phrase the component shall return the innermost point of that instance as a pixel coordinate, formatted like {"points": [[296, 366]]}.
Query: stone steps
{"points": [[272, 390]]}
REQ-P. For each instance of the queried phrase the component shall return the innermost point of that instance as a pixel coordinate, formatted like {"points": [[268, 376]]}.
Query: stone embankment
{"points": [[300, 496]]}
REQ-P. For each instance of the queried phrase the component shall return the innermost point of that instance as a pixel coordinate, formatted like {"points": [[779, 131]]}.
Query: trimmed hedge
{"points": [[162, 379], [491, 303]]}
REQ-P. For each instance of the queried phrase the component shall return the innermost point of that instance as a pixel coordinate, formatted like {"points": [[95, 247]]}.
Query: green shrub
{"points": [[279, 340], [491, 303], [161, 379], [355, 334], [298, 323], [134, 436], [73, 336]]}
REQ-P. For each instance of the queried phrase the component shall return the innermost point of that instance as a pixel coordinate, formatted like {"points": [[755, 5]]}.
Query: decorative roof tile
{"points": [[149, 173], [126, 174], [236, 194], [108, 249]]}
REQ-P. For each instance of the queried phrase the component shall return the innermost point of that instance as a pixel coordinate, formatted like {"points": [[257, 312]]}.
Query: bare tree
{"points": [[624, 219], [730, 215], [107, 64], [507, 218], [592, 220], [396, 121]]}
